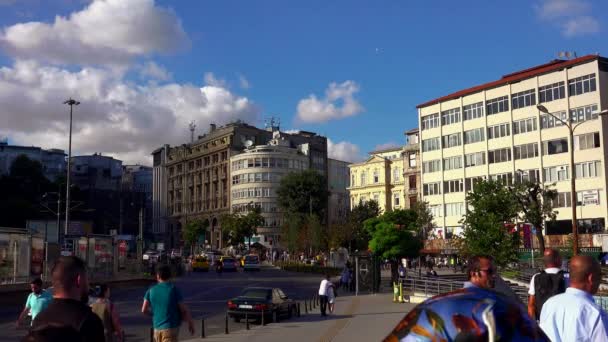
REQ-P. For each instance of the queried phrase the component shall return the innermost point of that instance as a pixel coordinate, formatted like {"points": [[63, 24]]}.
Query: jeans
{"points": [[323, 304]]}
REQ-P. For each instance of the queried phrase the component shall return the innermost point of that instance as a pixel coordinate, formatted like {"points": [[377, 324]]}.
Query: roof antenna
{"points": [[192, 127]]}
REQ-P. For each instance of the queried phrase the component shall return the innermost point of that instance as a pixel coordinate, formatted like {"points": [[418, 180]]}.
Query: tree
{"points": [[193, 230], [535, 204], [242, 226], [357, 235], [303, 193], [424, 220], [492, 206], [315, 230], [394, 234], [290, 231]]}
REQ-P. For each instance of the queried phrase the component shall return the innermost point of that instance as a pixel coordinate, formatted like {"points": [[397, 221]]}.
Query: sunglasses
{"points": [[490, 271]]}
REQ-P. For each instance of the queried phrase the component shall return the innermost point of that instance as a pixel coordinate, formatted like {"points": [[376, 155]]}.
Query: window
{"points": [[430, 121], [524, 126], [412, 182], [586, 141], [555, 146], [527, 176], [451, 116], [363, 176], [556, 173], [562, 200], [451, 140], [499, 156], [376, 198], [504, 178], [376, 176], [431, 144], [497, 105], [549, 121], [473, 111], [436, 210], [551, 92], [412, 159], [588, 197], [523, 99], [352, 180], [452, 163], [525, 151], [431, 189], [581, 85], [431, 166], [474, 159], [469, 183], [499, 131], [396, 172], [474, 135], [454, 209], [396, 200], [588, 169], [453, 186], [584, 113]]}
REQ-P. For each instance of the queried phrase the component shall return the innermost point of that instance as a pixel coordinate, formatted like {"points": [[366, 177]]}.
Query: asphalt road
{"points": [[205, 294]]}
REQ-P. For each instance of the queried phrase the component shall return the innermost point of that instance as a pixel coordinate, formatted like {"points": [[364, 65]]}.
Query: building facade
{"points": [[411, 169], [379, 178], [338, 202], [136, 197], [160, 231], [53, 160], [496, 131]]}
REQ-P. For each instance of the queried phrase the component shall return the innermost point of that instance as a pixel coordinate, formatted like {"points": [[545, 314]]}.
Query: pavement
{"points": [[356, 318]]}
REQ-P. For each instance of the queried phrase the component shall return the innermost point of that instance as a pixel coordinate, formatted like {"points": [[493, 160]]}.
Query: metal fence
{"points": [[429, 286]]}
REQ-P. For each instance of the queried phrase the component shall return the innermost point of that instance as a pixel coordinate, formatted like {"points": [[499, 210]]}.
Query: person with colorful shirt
{"points": [[36, 302]]}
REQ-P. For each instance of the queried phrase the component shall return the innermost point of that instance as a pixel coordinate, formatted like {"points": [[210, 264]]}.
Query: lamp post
{"points": [[571, 128], [70, 102]]}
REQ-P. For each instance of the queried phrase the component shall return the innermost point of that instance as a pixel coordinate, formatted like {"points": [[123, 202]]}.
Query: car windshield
{"points": [[256, 293], [251, 258]]}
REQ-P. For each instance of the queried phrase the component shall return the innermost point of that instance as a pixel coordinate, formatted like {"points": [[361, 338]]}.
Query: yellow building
{"points": [[496, 131]]}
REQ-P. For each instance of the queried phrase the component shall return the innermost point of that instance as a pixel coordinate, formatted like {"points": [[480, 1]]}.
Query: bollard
{"points": [[263, 317], [151, 334], [226, 326], [299, 314], [395, 292], [246, 321], [305, 306], [203, 328], [276, 317]]}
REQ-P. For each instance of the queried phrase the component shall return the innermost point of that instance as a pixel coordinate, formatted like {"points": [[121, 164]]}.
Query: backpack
{"points": [[547, 285]]}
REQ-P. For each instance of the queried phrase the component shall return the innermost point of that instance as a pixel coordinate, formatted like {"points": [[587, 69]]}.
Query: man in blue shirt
{"points": [[574, 315], [165, 303], [36, 302]]}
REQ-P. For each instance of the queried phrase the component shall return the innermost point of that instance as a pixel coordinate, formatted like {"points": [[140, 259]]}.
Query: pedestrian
{"points": [[164, 302], [219, 267], [106, 311], [323, 294], [481, 272], [402, 271], [574, 315], [345, 278], [550, 282], [68, 317], [331, 297], [36, 302]]}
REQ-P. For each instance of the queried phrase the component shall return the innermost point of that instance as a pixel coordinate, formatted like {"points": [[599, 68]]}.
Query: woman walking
{"points": [[331, 296], [106, 311]]}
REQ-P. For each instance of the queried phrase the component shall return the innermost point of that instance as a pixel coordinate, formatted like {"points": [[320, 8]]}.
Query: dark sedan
{"points": [[254, 301]]}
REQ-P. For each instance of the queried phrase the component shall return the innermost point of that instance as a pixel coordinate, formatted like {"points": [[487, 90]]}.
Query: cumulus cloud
{"points": [[386, 146], [115, 116], [339, 102], [344, 150], [213, 81], [151, 70], [573, 17], [106, 32]]}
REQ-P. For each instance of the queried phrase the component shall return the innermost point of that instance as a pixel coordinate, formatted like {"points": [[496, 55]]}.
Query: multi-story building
{"points": [[411, 168], [136, 197], [160, 231], [53, 160], [496, 131], [337, 180], [379, 178]]}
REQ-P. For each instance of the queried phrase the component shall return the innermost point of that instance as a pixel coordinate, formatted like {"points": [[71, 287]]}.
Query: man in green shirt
{"points": [[36, 302], [165, 303]]}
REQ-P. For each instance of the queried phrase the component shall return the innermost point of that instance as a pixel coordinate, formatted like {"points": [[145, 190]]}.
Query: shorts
{"points": [[166, 335]]}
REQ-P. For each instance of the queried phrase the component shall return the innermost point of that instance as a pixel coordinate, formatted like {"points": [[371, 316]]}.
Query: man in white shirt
{"points": [[323, 294], [551, 281], [574, 315]]}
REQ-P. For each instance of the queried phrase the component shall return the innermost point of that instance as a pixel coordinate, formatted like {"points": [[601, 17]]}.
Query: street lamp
{"points": [[571, 128], [70, 102]]}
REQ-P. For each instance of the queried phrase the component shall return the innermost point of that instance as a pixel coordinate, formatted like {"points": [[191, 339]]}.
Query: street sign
{"points": [[590, 197]]}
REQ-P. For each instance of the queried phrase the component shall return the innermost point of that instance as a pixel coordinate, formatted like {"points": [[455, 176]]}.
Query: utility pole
{"points": [[70, 102]]}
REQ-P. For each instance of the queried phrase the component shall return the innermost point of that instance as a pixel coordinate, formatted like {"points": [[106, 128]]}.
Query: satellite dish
{"points": [[248, 143]]}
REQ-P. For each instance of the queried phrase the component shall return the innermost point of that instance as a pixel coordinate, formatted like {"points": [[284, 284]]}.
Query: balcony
{"points": [[413, 191]]}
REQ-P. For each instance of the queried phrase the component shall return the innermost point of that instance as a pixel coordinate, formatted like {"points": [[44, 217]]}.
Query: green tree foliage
{"points": [[299, 192], [358, 237], [193, 230], [424, 219], [394, 234], [491, 206], [241, 227], [290, 230], [535, 203]]}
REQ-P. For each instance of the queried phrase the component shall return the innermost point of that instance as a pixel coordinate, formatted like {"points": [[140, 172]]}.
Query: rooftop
{"points": [[517, 76]]}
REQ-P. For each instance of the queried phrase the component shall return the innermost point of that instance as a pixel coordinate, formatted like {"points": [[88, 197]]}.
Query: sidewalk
{"points": [[356, 318]]}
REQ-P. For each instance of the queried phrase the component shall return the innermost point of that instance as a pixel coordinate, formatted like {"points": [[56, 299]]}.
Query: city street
{"points": [[205, 294]]}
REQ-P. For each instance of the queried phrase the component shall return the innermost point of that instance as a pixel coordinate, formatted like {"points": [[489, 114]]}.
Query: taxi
{"points": [[200, 263]]}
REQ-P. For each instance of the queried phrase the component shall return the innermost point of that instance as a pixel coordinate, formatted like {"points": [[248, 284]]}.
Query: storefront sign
{"points": [[590, 197]]}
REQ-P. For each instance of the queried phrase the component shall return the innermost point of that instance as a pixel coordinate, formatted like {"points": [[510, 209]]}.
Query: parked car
{"points": [[200, 263], [251, 263], [228, 263], [255, 301]]}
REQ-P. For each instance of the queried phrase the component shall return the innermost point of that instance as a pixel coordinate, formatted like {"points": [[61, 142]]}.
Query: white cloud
{"points": [[344, 150], [153, 71], [573, 17], [292, 131], [243, 82], [213, 81], [106, 32], [115, 116], [339, 102], [386, 146]]}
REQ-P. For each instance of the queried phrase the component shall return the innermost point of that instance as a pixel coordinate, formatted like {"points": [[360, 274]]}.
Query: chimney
{"points": [[212, 127]]}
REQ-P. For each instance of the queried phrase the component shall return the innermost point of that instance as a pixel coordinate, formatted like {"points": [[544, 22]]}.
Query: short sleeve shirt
{"points": [[164, 299], [36, 303], [550, 270]]}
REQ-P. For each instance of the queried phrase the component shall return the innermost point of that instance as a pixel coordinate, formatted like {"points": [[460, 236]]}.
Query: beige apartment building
{"points": [[411, 168], [495, 130]]}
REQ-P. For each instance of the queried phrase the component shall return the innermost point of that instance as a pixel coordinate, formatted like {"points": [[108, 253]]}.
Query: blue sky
{"points": [[383, 57]]}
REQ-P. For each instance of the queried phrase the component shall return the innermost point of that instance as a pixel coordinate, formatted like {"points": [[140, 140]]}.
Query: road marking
{"points": [[335, 328]]}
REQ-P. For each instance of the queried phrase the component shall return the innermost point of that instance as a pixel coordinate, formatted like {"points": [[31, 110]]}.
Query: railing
{"points": [[428, 287]]}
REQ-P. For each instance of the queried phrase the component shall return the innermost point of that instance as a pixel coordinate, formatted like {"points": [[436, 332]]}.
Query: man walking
{"points": [[165, 303], [323, 294], [36, 302], [574, 315], [548, 283]]}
